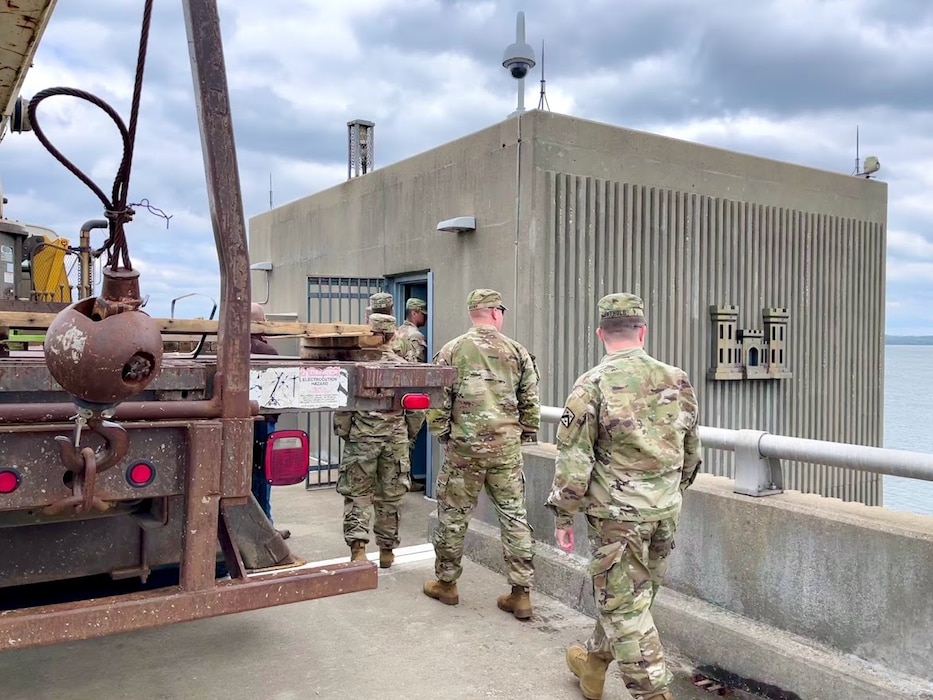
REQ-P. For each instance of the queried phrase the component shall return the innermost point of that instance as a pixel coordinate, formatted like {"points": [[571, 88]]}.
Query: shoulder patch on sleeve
{"points": [[567, 418]]}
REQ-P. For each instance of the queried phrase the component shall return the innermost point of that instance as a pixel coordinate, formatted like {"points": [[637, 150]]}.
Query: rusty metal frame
{"points": [[100, 617], [219, 450]]}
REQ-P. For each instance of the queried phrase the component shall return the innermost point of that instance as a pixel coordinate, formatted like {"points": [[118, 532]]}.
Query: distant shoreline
{"points": [[908, 340]]}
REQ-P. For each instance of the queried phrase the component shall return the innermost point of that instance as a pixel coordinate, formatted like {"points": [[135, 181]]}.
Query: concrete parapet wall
{"points": [[840, 581]]}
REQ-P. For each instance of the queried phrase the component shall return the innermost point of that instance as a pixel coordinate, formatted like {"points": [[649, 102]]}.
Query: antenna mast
{"points": [[542, 100], [858, 162], [270, 190]]}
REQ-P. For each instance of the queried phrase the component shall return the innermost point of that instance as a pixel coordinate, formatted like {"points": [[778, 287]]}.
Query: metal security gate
{"points": [[332, 299]]}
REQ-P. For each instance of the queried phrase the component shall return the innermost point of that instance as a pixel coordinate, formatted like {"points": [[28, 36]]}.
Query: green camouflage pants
{"points": [[628, 566], [373, 477], [458, 487]]}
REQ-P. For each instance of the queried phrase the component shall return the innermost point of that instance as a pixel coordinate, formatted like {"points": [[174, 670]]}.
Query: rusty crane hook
{"points": [[116, 446]]}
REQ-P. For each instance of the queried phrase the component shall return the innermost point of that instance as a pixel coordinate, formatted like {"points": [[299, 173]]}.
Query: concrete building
{"points": [[764, 280]]}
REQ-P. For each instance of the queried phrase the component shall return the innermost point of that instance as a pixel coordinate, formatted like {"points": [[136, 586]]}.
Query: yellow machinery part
{"points": [[49, 277]]}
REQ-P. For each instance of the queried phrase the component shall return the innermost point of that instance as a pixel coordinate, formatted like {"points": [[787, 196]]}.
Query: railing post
{"points": [[755, 475]]}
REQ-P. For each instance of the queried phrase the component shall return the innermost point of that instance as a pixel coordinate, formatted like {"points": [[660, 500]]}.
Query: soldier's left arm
{"points": [[421, 348], [692, 454], [529, 402], [438, 418], [576, 439]]}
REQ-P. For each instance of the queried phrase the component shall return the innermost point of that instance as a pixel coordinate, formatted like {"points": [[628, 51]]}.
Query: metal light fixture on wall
{"points": [[265, 266], [459, 224]]}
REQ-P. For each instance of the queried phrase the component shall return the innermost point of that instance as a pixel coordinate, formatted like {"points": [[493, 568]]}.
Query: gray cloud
{"points": [[788, 80]]}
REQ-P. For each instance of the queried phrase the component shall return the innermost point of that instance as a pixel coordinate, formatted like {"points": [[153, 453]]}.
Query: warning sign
{"points": [[308, 388]]}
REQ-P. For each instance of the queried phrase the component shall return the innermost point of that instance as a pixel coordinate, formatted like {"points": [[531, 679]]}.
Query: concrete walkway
{"points": [[389, 643]]}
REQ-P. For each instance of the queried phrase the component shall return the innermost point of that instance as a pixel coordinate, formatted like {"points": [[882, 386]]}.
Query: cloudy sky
{"points": [[788, 80]]}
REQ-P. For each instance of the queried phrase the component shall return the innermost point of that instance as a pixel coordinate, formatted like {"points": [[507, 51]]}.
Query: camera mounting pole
{"points": [[518, 59]]}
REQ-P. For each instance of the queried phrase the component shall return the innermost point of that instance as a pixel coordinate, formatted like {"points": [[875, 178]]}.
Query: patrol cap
{"points": [[415, 304], [382, 323], [484, 299], [380, 300], [620, 305]]}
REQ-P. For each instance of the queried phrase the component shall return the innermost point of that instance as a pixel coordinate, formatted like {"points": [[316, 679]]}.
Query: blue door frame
{"points": [[398, 286]]}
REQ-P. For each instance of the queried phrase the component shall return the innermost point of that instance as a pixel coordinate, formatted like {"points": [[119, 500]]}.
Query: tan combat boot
{"points": [[442, 591], [358, 551], [386, 557], [590, 669], [518, 602]]}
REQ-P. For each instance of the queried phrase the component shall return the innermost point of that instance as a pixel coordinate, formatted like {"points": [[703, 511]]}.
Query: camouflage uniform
{"points": [[412, 345], [379, 303], [482, 421], [627, 448], [375, 470]]}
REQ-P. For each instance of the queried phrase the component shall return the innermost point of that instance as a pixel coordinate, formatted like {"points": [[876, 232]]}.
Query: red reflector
{"points": [[416, 402], [140, 474], [9, 480]]}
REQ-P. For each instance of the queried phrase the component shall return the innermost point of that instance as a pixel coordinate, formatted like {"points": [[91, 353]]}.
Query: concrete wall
{"points": [[848, 576], [568, 210], [688, 226], [384, 223]]}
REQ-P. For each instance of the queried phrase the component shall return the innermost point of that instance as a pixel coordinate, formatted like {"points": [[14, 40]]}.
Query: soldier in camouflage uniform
{"points": [[411, 341], [627, 448], [379, 303], [375, 471], [482, 422]]}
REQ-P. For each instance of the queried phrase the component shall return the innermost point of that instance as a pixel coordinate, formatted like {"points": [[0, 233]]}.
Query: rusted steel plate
{"points": [[202, 504], [236, 455], [404, 376], [43, 480], [99, 617], [31, 374], [73, 548]]}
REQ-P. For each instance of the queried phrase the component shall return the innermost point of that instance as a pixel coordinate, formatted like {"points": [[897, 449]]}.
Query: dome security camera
{"points": [[518, 59]]}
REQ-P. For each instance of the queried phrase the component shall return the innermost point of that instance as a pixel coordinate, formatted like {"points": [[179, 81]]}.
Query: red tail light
{"points": [[287, 456], [9, 480], [416, 402], [140, 474]]}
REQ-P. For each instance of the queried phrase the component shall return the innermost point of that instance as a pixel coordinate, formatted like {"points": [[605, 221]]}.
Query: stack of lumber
{"points": [[331, 341]]}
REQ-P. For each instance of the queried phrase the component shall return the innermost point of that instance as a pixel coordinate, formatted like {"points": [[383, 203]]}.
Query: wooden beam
{"points": [[25, 320]]}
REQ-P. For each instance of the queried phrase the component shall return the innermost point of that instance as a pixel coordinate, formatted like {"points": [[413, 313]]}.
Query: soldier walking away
{"points": [[263, 427], [375, 471], [627, 448], [482, 422], [415, 348]]}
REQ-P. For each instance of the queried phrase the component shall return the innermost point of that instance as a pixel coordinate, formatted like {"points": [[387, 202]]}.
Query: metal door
{"points": [[332, 299]]}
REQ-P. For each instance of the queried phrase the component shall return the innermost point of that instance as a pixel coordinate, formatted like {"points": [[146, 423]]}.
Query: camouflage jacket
{"points": [[627, 443], [409, 343], [379, 426], [493, 405]]}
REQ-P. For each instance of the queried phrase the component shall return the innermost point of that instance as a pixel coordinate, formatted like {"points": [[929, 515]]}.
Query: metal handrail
{"points": [[758, 456]]}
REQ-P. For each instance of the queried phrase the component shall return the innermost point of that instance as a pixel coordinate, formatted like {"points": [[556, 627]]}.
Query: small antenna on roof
{"points": [[871, 164], [542, 100], [858, 162], [270, 190]]}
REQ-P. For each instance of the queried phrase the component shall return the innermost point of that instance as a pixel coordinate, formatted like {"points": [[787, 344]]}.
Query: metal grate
{"points": [[333, 299]]}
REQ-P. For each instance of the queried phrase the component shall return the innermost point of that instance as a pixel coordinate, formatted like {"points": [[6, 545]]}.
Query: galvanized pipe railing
{"points": [[758, 456]]}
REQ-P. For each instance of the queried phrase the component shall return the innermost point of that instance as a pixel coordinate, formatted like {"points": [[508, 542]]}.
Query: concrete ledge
{"points": [[781, 664]]}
